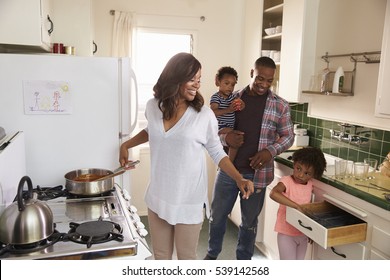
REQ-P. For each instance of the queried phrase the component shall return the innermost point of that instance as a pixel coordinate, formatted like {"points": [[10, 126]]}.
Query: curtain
{"points": [[121, 35]]}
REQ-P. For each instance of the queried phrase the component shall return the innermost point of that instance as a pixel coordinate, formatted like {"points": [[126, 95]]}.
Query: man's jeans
{"points": [[224, 197]]}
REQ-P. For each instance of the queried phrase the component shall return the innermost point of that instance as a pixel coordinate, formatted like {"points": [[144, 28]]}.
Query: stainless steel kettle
{"points": [[26, 221]]}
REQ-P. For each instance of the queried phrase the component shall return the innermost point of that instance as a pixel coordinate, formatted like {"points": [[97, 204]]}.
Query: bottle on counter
{"points": [[338, 81]]}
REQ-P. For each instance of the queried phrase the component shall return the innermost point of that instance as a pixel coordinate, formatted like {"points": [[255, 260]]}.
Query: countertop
{"points": [[349, 186]]}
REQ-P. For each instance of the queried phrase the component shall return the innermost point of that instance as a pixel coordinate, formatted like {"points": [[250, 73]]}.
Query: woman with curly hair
{"points": [[179, 129]]}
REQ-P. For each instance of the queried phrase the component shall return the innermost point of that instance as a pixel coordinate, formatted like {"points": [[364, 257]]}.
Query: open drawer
{"points": [[327, 225]]}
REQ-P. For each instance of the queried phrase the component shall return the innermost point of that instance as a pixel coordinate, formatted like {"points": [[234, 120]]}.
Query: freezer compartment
{"points": [[327, 225]]}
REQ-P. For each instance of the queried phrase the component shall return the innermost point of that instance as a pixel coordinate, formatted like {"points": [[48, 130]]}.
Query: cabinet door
{"points": [[354, 251], [21, 23], [382, 108], [269, 242], [298, 47]]}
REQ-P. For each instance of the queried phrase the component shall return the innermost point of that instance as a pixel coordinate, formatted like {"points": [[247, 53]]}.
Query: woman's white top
{"points": [[178, 185]]}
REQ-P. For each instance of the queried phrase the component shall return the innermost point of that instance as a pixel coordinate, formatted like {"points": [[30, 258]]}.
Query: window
{"points": [[152, 49]]}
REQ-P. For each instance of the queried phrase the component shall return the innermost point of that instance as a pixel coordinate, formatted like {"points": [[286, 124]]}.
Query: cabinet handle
{"points": [[302, 225], [51, 25], [94, 47], [339, 254]]}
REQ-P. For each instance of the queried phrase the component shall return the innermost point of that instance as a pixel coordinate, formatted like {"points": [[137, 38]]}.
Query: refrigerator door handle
{"points": [[134, 78]]}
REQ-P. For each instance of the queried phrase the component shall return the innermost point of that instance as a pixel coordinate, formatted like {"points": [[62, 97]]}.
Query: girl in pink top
{"points": [[293, 191]]}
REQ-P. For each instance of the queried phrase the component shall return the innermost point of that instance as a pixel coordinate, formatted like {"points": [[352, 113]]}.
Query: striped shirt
{"points": [[225, 120]]}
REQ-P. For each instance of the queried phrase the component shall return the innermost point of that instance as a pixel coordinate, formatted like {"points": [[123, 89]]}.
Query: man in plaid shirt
{"points": [[262, 131]]}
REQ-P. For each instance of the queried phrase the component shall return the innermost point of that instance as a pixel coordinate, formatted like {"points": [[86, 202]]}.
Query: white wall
{"points": [[350, 26]]}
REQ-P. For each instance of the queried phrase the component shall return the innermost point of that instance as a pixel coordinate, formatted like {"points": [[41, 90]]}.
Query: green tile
{"points": [[313, 121], [386, 136], [385, 148], [344, 153], [353, 155], [377, 134], [375, 147]]}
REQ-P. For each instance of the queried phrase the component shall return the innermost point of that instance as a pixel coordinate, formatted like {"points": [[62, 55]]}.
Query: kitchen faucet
{"points": [[352, 136]]}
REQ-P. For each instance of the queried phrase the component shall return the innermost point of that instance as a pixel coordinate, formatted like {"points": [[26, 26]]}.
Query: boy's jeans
{"points": [[224, 197]]}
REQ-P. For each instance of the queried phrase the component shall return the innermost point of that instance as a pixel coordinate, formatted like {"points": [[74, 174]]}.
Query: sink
{"points": [[330, 161]]}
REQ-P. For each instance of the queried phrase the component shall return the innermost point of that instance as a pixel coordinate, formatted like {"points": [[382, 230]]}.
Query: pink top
{"points": [[298, 193]]}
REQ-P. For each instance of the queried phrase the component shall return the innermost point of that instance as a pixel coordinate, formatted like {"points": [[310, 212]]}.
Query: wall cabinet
{"points": [[382, 106], [25, 25], [296, 44]]}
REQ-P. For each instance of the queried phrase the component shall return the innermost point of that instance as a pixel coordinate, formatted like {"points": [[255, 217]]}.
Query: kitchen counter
{"points": [[349, 186]]}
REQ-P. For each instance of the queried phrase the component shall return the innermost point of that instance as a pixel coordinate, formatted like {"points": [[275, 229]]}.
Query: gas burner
{"points": [[47, 193], [94, 232], [76, 196], [31, 247]]}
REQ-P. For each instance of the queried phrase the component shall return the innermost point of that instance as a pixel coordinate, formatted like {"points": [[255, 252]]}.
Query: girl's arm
{"points": [[277, 195]]}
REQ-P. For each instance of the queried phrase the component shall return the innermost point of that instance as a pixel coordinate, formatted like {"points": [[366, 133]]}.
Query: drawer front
{"points": [[381, 240], [307, 226], [354, 251], [336, 232]]}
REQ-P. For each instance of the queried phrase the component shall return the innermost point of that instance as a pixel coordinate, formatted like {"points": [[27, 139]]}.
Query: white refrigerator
{"points": [[74, 112]]}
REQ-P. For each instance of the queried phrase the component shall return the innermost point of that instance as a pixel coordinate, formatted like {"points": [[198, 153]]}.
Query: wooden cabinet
{"points": [[25, 25], [382, 105]]}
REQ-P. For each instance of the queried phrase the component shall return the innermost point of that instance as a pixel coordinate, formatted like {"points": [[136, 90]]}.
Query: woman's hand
{"points": [[123, 155], [246, 187]]}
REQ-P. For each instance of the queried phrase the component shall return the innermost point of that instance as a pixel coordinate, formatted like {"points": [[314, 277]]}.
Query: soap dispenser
{"points": [[338, 81]]}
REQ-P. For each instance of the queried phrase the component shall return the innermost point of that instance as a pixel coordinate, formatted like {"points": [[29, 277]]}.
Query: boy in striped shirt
{"points": [[225, 103]]}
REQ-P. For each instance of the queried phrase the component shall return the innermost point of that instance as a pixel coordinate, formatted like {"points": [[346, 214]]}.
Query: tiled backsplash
{"points": [[377, 143]]}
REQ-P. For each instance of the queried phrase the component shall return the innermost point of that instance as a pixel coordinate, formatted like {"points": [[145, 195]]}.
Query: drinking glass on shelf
{"points": [[360, 170], [372, 164]]}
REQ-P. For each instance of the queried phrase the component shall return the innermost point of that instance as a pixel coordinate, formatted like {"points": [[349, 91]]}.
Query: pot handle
{"points": [[27, 179]]}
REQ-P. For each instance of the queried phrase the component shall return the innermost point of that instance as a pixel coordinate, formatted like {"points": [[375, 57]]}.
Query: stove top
{"points": [[86, 228]]}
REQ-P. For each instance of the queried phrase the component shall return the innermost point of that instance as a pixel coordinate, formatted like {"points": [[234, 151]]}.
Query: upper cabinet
{"points": [[382, 108], [292, 46], [25, 26], [298, 47]]}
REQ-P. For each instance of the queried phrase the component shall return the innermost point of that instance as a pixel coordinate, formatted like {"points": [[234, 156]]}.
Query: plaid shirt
{"points": [[276, 135]]}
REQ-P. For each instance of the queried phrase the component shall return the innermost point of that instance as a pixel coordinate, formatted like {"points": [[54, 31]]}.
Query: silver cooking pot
{"points": [[88, 188], [26, 221]]}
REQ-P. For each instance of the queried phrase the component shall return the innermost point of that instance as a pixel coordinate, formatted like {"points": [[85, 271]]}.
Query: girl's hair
{"points": [[226, 70], [311, 156], [180, 69]]}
